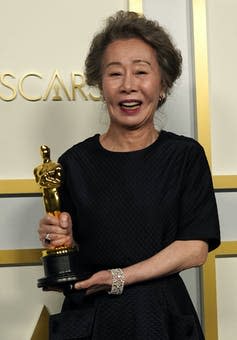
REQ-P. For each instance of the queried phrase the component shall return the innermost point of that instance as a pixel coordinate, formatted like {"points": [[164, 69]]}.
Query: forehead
{"points": [[128, 50]]}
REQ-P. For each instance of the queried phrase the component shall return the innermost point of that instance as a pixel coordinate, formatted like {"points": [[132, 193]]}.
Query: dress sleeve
{"points": [[198, 209]]}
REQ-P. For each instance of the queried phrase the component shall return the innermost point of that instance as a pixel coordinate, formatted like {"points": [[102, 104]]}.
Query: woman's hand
{"points": [[97, 282], [58, 230]]}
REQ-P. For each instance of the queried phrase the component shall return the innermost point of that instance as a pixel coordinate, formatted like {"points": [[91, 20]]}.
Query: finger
{"points": [[65, 220], [102, 278], [60, 241], [49, 229], [49, 219], [50, 224], [44, 231], [46, 223], [83, 284], [92, 281], [96, 289]]}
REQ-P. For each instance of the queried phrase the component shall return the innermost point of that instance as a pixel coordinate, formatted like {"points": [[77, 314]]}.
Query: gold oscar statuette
{"points": [[60, 264]]}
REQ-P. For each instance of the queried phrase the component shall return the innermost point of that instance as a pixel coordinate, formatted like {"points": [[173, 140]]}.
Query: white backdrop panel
{"points": [[19, 218], [222, 50], [177, 114], [227, 203], [226, 282]]}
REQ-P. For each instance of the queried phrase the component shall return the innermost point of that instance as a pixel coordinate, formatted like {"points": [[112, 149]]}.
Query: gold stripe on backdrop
{"points": [[201, 73], [202, 91], [18, 186], [20, 257]]}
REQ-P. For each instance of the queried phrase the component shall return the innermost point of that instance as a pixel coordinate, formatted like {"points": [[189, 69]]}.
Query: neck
{"points": [[128, 140]]}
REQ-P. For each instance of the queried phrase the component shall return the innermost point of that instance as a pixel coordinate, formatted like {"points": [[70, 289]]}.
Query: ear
{"points": [[162, 96], [164, 88]]}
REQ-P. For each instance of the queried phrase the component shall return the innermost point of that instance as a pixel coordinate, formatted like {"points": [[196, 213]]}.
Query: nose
{"points": [[128, 83]]}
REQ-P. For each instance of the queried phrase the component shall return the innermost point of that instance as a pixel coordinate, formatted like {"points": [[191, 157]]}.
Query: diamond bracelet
{"points": [[118, 280]]}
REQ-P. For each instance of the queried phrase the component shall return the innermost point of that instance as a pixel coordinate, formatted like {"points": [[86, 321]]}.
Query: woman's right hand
{"points": [[58, 229]]}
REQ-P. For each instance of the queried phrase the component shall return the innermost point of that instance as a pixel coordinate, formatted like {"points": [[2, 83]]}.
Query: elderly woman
{"points": [[138, 202]]}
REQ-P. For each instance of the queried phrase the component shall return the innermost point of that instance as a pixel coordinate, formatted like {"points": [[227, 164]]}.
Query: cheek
{"points": [[153, 93], [107, 91], [108, 98]]}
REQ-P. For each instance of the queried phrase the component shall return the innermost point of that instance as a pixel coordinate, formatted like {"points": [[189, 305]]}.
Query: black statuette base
{"points": [[61, 269]]}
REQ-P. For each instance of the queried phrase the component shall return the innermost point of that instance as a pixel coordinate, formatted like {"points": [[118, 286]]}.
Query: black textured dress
{"points": [[126, 207]]}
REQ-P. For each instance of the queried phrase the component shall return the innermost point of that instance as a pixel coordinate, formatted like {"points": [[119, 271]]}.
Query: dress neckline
{"points": [[147, 148]]}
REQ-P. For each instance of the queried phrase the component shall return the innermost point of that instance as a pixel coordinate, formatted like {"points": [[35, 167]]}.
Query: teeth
{"points": [[130, 104]]}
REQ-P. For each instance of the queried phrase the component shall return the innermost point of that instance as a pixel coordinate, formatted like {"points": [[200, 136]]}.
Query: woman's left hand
{"points": [[97, 282]]}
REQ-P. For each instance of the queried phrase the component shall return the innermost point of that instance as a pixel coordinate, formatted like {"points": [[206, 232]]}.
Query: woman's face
{"points": [[131, 83]]}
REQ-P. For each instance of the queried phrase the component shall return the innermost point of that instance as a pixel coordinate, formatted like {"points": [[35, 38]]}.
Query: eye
{"points": [[114, 74], [141, 72]]}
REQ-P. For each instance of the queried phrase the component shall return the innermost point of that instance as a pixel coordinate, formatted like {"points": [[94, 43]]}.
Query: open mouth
{"points": [[130, 104]]}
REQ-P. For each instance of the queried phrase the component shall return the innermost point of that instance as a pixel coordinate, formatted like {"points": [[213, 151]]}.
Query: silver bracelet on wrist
{"points": [[118, 280]]}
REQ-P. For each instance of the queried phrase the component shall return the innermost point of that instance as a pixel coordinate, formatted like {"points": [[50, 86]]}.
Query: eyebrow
{"points": [[136, 61]]}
